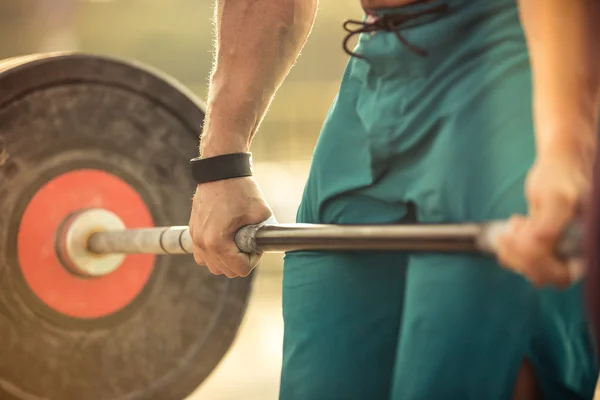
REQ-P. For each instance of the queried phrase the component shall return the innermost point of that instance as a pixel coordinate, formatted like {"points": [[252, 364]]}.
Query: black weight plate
{"points": [[64, 112]]}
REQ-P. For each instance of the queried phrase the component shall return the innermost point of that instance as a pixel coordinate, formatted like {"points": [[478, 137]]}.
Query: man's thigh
{"points": [[342, 315], [466, 329], [467, 322]]}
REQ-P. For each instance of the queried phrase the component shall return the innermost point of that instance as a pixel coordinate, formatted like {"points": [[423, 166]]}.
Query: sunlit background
{"points": [[175, 36]]}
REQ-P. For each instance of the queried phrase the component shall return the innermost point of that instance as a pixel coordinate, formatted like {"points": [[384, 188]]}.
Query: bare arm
{"points": [[563, 41], [257, 43], [563, 37]]}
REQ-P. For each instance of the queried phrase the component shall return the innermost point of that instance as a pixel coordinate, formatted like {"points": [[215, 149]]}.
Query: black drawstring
{"points": [[389, 23]]}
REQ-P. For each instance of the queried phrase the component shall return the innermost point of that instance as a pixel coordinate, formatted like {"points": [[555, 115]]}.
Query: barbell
{"points": [[94, 190], [92, 242]]}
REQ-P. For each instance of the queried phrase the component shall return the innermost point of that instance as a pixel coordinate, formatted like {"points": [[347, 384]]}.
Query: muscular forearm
{"points": [[563, 37], [257, 42]]}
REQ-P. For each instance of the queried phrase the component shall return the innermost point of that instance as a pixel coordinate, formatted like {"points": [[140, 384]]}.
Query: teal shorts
{"points": [[445, 138]]}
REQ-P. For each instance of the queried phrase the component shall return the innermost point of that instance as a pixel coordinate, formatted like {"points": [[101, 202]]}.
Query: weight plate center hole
{"points": [[72, 239]]}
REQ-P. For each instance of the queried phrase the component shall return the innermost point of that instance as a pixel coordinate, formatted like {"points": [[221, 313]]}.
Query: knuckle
{"points": [[213, 270], [530, 260], [244, 272], [213, 242], [566, 198], [253, 260], [197, 239], [230, 274], [198, 259]]}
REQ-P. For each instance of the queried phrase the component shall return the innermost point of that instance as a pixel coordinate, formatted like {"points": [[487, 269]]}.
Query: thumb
{"points": [[240, 263], [253, 259]]}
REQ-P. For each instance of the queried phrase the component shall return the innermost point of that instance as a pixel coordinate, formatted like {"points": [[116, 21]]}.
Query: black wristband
{"points": [[226, 166]]}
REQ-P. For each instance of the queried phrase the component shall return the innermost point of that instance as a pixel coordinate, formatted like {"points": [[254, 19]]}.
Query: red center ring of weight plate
{"points": [[59, 289]]}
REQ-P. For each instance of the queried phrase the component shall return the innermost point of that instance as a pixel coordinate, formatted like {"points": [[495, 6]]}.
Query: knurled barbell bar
{"points": [[93, 241]]}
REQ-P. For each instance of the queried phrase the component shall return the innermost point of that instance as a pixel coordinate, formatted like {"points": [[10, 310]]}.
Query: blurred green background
{"points": [[175, 36]]}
